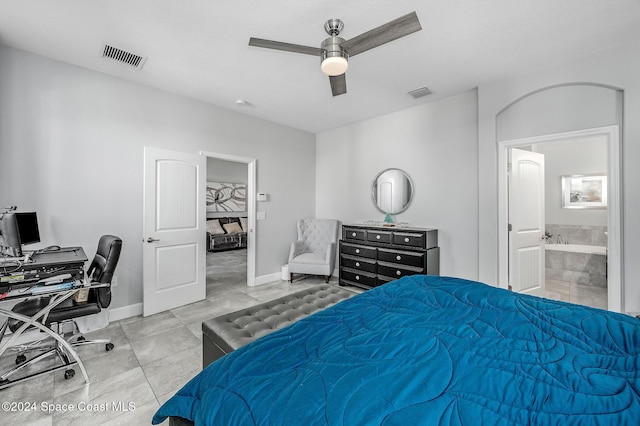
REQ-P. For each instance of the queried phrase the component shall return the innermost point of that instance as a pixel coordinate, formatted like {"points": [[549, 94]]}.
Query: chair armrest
{"points": [[96, 284], [102, 292], [297, 248], [330, 255]]}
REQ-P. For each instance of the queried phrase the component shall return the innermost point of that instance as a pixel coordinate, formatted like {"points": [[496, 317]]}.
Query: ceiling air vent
{"points": [[123, 56], [418, 93]]}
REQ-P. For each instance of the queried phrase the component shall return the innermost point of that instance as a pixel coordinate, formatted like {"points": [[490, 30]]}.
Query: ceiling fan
{"points": [[334, 52]]}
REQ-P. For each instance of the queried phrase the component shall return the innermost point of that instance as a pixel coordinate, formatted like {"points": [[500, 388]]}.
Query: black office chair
{"points": [[100, 270]]}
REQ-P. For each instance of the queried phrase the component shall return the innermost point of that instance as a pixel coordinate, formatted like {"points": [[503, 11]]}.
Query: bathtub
{"points": [[576, 263], [577, 248]]}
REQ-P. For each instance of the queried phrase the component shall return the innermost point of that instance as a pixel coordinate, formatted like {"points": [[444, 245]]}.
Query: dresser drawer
{"points": [[353, 234], [360, 251], [383, 279], [380, 236], [358, 263], [416, 259], [359, 277], [397, 271], [409, 239]]}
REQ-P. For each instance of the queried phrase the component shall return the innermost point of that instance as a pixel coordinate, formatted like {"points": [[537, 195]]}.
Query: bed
{"points": [[428, 350], [226, 233]]}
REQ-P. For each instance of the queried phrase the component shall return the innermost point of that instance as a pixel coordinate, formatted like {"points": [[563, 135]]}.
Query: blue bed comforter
{"points": [[428, 350]]}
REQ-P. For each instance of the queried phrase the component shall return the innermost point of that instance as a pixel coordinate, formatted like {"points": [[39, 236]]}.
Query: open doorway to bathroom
{"points": [[582, 259]]}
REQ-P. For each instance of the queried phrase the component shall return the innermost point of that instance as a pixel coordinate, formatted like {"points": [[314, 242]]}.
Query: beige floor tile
{"points": [[102, 401], [164, 344], [565, 291], [172, 372], [154, 324], [119, 360], [198, 311]]}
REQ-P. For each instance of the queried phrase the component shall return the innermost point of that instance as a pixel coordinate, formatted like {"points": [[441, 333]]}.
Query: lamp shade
{"points": [[334, 65]]}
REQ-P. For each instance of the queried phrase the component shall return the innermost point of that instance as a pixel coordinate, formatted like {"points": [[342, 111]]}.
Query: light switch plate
{"points": [[261, 216]]}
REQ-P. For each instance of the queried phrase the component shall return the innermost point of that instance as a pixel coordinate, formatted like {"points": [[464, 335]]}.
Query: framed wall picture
{"points": [[226, 197], [584, 191]]}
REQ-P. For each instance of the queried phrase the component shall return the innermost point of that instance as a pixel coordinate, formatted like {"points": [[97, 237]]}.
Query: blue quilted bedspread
{"points": [[428, 350]]}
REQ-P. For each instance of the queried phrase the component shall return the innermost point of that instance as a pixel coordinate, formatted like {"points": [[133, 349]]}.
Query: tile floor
{"points": [[153, 357], [594, 296]]}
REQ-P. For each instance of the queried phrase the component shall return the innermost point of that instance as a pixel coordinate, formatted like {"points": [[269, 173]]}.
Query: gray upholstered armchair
{"points": [[315, 251]]}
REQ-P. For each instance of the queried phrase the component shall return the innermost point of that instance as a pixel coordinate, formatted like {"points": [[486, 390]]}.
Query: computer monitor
{"points": [[28, 227], [17, 229]]}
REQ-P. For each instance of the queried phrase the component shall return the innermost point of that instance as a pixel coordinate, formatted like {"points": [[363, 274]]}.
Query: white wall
{"points": [[436, 144], [71, 148], [226, 171], [575, 157], [555, 109], [616, 68]]}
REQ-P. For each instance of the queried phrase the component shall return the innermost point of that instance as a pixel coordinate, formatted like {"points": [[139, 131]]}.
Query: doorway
{"points": [[613, 221], [232, 260]]}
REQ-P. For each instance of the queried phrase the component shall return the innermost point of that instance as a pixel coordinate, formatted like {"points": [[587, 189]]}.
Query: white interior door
{"points": [[174, 237], [526, 222]]}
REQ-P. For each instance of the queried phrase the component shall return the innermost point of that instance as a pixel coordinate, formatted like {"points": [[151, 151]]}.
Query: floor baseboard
{"points": [[264, 279], [125, 312]]}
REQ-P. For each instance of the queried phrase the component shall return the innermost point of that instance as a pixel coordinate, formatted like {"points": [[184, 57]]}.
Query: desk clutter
{"points": [[45, 273], [40, 288]]}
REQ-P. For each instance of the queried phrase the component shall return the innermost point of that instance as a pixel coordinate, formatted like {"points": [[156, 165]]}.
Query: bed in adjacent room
{"points": [[428, 350]]}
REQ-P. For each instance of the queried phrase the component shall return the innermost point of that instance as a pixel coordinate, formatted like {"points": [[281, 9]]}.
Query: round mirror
{"points": [[392, 191]]}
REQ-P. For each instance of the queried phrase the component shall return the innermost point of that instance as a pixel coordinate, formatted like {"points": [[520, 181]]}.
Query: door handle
{"points": [[151, 240]]}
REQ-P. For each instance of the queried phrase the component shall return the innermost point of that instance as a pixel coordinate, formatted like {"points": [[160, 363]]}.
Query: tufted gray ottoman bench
{"points": [[228, 332]]}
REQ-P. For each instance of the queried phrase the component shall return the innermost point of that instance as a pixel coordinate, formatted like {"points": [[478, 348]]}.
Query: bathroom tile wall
{"points": [[579, 234]]}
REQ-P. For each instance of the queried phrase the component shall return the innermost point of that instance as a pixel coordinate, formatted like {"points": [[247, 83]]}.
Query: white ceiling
{"points": [[199, 48]]}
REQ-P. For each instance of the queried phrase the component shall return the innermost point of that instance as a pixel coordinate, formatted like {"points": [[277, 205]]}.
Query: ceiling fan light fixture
{"points": [[335, 65], [335, 59]]}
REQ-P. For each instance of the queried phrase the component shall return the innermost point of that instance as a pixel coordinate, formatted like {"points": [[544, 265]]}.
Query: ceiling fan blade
{"points": [[338, 84], [287, 47], [390, 31]]}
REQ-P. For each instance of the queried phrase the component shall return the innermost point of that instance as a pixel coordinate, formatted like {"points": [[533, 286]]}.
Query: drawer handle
{"points": [[357, 277], [353, 234], [377, 237], [406, 240], [357, 263], [357, 250], [398, 273], [398, 257]]}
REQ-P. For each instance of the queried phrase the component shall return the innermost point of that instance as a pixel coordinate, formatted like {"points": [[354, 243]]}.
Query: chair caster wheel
{"points": [[69, 374], [109, 346], [81, 339], [20, 359]]}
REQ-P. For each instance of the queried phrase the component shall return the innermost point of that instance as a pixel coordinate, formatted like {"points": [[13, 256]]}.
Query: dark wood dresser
{"points": [[373, 255]]}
